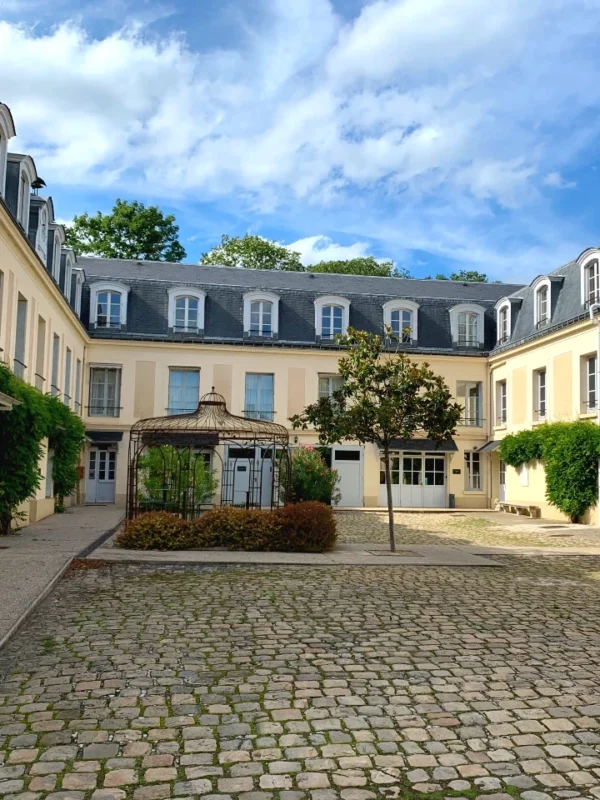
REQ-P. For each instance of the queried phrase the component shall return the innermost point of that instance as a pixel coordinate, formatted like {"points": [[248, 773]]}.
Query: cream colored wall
{"points": [[145, 388], [561, 354], [25, 275]]}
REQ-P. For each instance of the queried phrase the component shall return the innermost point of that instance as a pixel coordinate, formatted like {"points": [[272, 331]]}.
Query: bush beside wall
{"points": [[296, 528]]}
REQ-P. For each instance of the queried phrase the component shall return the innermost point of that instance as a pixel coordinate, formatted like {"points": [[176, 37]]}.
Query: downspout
{"points": [[594, 309]]}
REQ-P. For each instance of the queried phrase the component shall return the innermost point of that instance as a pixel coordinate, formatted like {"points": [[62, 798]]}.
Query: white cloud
{"points": [[419, 108], [313, 249]]}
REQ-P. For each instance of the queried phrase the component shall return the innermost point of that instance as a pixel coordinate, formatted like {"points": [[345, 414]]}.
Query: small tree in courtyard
{"points": [[384, 396]]}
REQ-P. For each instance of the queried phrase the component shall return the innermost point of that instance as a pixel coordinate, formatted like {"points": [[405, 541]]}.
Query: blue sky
{"points": [[443, 134]]}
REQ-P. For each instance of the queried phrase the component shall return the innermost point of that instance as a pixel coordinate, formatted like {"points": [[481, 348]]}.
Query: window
{"points": [[79, 277], [24, 190], [184, 390], [394, 468], [186, 309], [56, 256], [259, 396], [50, 474], [328, 384], [108, 310], [542, 313], [412, 469], [469, 394], [401, 316], [591, 282], [466, 325], [77, 405], [21, 338], [105, 391], [54, 390], [331, 316], [108, 305], [539, 388], [332, 321], [501, 403], [261, 314], [503, 324], [591, 383], [67, 392], [40, 355], [472, 471]]}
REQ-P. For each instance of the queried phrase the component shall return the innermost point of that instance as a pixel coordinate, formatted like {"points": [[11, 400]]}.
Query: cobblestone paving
{"points": [[446, 529], [316, 683]]}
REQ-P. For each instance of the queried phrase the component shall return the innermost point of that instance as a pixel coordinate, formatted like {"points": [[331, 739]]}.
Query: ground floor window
{"points": [[472, 471]]}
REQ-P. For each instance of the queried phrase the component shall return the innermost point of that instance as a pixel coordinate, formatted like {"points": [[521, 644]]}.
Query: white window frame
{"points": [[330, 378], [7, 131], [259, 413], [501, 403], [538, 287], [468, 420], [68, 368], [501, 307], [27, 175], [472, 485], [467, 308], [57, 245], [186, 291], [171, 411], [68, 272], [539, 413], [331, 300], [585, 264], [402, 305], [118, 368], [79, 280], [97, 288], [590, 373], [261, 297]]}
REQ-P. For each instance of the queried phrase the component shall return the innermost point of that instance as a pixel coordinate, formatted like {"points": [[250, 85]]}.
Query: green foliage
{"points": [[168, 474], [570, 452], [366, 265], [383, 396], [22, 432], [130, 230], [465, 275], [301, 527], [252, 252], [311, 478]]}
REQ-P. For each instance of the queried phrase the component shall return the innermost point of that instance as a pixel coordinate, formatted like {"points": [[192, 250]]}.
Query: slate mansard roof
{"points": [[150, 281]]}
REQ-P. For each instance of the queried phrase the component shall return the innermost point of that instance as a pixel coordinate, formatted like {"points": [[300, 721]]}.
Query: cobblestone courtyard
{"points": [[315, 683]]}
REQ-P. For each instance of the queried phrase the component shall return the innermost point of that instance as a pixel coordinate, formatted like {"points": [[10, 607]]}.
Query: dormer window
{"points": [[108, 305], [261, 314], [466, 325], [402, 317], [186, 309], [7, 131], [592, 282], [503, 322], [541, 309], [78, 290], [331, 317]]}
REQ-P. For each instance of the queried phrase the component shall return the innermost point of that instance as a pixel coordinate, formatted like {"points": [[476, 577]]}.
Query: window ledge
{"points": [[540, 421], [588, 414], [500, 427]]}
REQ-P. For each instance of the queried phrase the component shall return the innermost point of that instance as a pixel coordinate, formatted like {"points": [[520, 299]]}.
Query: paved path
{"points": [[149, 682], [32, 558]]}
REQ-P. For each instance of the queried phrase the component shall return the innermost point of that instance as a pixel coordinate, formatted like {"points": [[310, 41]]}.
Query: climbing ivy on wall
{"points": [[570, 453], [22, 433]]}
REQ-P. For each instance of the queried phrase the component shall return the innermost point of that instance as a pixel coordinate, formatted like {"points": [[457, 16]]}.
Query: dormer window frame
{"points": [[331, 301], [590, 278], [112, 288], [69, 264], [471, 312], [398, 306], [79, 281], [27, 175], [178, 293], [7, 131], [503, 321], [542, 294], [258, 328], [57, 245]]}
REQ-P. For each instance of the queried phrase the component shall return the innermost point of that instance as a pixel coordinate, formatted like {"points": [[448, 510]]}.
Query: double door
{"points": [[418, 480], [101, 474], [248, 478]]}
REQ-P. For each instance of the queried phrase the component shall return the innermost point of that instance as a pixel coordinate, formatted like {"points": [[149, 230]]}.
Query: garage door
{"points": [[418, 480], [348, 463]]}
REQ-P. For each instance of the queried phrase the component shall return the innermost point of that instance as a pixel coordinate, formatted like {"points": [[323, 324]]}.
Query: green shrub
{"points": [[520, 448], [168, 473], [301, 528], [311, 478]]}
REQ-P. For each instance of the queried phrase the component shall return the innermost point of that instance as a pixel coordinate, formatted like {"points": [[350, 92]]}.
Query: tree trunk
{"points": [[390, 504]]}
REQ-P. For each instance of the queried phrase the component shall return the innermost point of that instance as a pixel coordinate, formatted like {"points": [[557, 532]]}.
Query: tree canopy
{"points": [[364, 265], [252, 252], [383, 396], [466, 275], [130, 230]]}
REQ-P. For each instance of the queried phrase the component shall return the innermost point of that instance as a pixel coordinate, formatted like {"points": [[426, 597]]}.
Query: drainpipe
{"points": [[594, 309]]}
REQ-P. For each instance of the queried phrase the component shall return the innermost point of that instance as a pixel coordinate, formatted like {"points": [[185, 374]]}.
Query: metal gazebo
{"points": [[169, 458]]}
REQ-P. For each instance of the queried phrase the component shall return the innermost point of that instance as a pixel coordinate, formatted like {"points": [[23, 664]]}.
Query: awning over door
{"points": [[423, 446], [488, 447], [104, 437]]}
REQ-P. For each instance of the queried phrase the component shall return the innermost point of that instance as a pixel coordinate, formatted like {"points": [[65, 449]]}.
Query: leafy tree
{"points": [[465, 275], [366, 265], [311, 478], [131, 230], [384, 396], [252, 252], [172, 478]]}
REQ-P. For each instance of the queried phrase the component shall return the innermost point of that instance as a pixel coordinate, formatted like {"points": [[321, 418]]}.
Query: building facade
{"points": [[122, 340]]}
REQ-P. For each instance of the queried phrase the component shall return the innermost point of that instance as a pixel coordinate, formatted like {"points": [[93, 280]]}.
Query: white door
{"points": [[101, 471], [434, 481], [249, 479], [502, 482], [418, 480], [395, 471], [348, 463]]}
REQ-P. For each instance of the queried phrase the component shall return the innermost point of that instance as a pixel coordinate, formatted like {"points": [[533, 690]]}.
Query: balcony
{"points": [[173, 411], [264, 414], [19, 368], [39, 381], [468, 343], [103, 410], [471, 421]]}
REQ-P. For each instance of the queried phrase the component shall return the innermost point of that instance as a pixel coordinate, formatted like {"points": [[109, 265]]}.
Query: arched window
{"points": [[108, 305], [591, 282], [466, 324], [402, 317], [331, 316], [541, 308], [261, 314], [503, 323], [186, 309]]}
